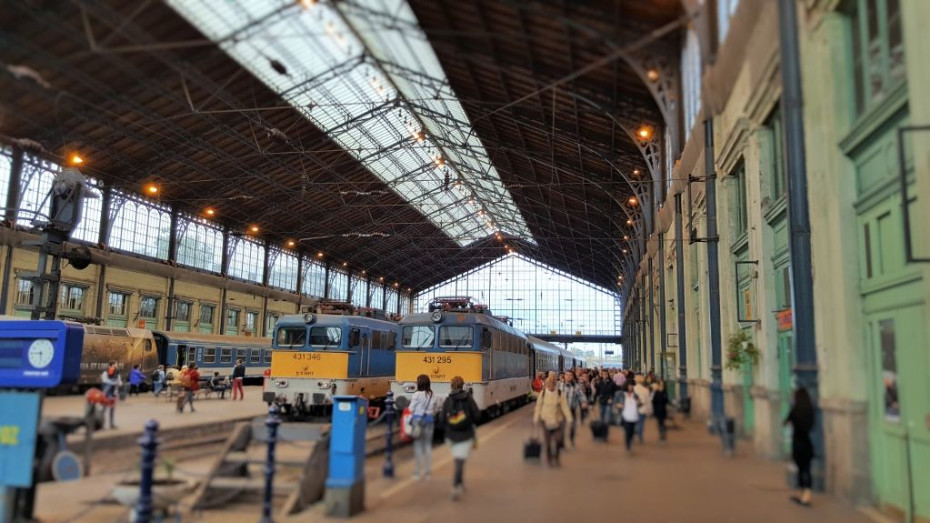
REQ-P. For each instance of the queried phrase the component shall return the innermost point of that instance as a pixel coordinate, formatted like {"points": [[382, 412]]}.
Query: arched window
{"points": [[691, 80], [247, 261], [141, 228], [283, 271], [200, 245]]}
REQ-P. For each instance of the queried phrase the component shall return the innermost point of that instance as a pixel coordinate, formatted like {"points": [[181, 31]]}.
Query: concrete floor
{"points": [[687, 480]]}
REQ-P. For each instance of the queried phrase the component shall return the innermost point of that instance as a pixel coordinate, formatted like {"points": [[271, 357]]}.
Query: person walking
{"points": [[459, 415], [577, 403], [801, 419], [423, 413], [660, 407], [629, 415], [191, 383], [135, 379], [112, 382], [552, 413], [604, 391], [238, 376], [538, 382], [158, 380], [645, 404]]}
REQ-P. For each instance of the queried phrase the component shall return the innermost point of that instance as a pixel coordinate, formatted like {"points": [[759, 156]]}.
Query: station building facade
{"points": [[864, 68]]}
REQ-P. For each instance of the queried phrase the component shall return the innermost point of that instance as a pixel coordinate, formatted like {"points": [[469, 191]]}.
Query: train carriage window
{"points": [[242, 354], [455, 337], [255, 356], [148, 345], [390, 340], [191, 355], [209, 355], [291, 337], [225, 355], [267, 353], [487, 338], [376, 340], [418, 337], [354, 338], [325, 337]]}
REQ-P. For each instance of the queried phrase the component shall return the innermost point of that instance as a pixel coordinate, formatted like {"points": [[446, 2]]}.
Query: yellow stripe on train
{"points": [[439, 366], [328, 365]]}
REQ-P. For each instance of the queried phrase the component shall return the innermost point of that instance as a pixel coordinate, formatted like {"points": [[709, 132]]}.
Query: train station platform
{"points": [[686, 480]]}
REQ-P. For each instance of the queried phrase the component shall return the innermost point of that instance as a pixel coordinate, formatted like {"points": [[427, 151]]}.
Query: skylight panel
{"points": [[365, 73]]}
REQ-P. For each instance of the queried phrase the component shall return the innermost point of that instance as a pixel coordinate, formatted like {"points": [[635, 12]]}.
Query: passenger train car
{"points": [[126, 347], [460, 337], [549, 356], [212, 352], [318, 356]]}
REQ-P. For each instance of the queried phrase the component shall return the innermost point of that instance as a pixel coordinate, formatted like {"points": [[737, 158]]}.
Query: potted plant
{"points": [[166, 490], [741, 350]]}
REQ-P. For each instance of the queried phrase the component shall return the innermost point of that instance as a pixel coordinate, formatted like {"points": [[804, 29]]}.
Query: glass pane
{"points": [[148, 306], [206, 314], [325, 337], [182, 311], [889, 370], [867, 246], [455, 336], [418, 337], [895, 40]]}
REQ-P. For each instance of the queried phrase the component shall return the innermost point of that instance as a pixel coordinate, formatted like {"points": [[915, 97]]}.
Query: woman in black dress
{"points": [[801, 418]]}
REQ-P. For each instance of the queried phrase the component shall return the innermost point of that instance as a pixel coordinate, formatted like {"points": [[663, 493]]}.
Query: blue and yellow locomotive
{"points": [[460, 337], [320, 356]]}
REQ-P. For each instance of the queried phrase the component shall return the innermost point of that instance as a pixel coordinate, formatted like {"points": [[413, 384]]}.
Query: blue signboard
{"points": [[40, 354], [19, 417]]}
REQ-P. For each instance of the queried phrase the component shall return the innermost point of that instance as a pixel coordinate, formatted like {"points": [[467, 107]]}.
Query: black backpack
{"points": [[155, 375], [459, 418]]}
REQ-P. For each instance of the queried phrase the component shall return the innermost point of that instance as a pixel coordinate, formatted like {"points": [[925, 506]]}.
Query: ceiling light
{"points": [[151, 189], [306, 4], [419, 136], [76, 159], [633, 200], [652, 74], [254, 229], [381, 278], [319, 254], [626, 237], [396, 284], [409, 289], [629, 221], [291, 243], [624, 250], [209, 211], [636, 172], [345, 264], [644, 132]]}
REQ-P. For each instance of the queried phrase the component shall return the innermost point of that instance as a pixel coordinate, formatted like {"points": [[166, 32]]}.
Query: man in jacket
{"points": [[604, 393], [238, 376]]}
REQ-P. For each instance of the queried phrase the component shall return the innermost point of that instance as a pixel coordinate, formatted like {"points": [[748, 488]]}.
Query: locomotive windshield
{"points": [[325, 337], [291, 337], [418, 337], [455, 337]]}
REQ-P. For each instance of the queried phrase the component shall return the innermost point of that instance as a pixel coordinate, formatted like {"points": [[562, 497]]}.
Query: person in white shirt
{"points": [[629, 414], [423, 406], [644, 395]]}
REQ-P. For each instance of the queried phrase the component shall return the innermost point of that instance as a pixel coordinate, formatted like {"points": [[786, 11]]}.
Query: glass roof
{"points": [[366, 75]]}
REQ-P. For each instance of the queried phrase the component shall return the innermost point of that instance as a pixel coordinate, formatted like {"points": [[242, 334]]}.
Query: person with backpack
{"points": [[553, 414], [604, 391], [423, 410], [575, 397], [459, 415], [238, 376], [135, 379], [158, 380]]}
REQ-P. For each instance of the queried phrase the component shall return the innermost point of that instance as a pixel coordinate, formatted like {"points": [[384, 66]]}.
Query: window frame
{"points": [[865, 52], [471, 337]]}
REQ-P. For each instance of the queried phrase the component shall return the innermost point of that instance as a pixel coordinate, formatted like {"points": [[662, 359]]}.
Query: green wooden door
{"points": [[900, 410]]}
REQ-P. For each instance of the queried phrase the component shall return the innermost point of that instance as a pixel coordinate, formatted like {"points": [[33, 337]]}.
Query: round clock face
{"points": [[41, 353]]}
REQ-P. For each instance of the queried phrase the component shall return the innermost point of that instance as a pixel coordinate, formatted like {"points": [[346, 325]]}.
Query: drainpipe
{"points": [[680, 278], [662, 327], [802, 284]]}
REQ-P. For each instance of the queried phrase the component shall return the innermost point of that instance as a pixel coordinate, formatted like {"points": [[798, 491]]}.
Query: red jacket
{"points": [[194, 376]]}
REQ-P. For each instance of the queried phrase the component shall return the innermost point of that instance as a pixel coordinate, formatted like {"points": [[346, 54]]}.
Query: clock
{"points": [[41, 352]]}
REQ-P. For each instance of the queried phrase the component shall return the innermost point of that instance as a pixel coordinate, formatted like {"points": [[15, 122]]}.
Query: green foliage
{"points": [[741, 350]]}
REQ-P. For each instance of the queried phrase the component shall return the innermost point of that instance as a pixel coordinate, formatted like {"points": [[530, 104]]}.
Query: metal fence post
{"points": [[389, 416], [149, 444], [272, 423]]}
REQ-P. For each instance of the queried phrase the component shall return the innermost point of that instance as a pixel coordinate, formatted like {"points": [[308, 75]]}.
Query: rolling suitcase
{"points": [[599, 430], [532, 449]]}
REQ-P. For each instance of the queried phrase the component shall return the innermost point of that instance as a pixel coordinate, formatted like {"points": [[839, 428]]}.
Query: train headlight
{"points": [[309, 317], [281, 384], [410, 387], [324, 384], [436, 316]]}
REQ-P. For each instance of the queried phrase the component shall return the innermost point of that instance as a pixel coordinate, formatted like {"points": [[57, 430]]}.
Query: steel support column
{"points": [[680, 302], [802, 284], [663, 342], [713, 281], [644, 354], [650, 306]]}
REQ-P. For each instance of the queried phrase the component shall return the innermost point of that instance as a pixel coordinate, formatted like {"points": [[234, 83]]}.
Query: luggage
{"points": [[532, 449], [599, 430]]}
